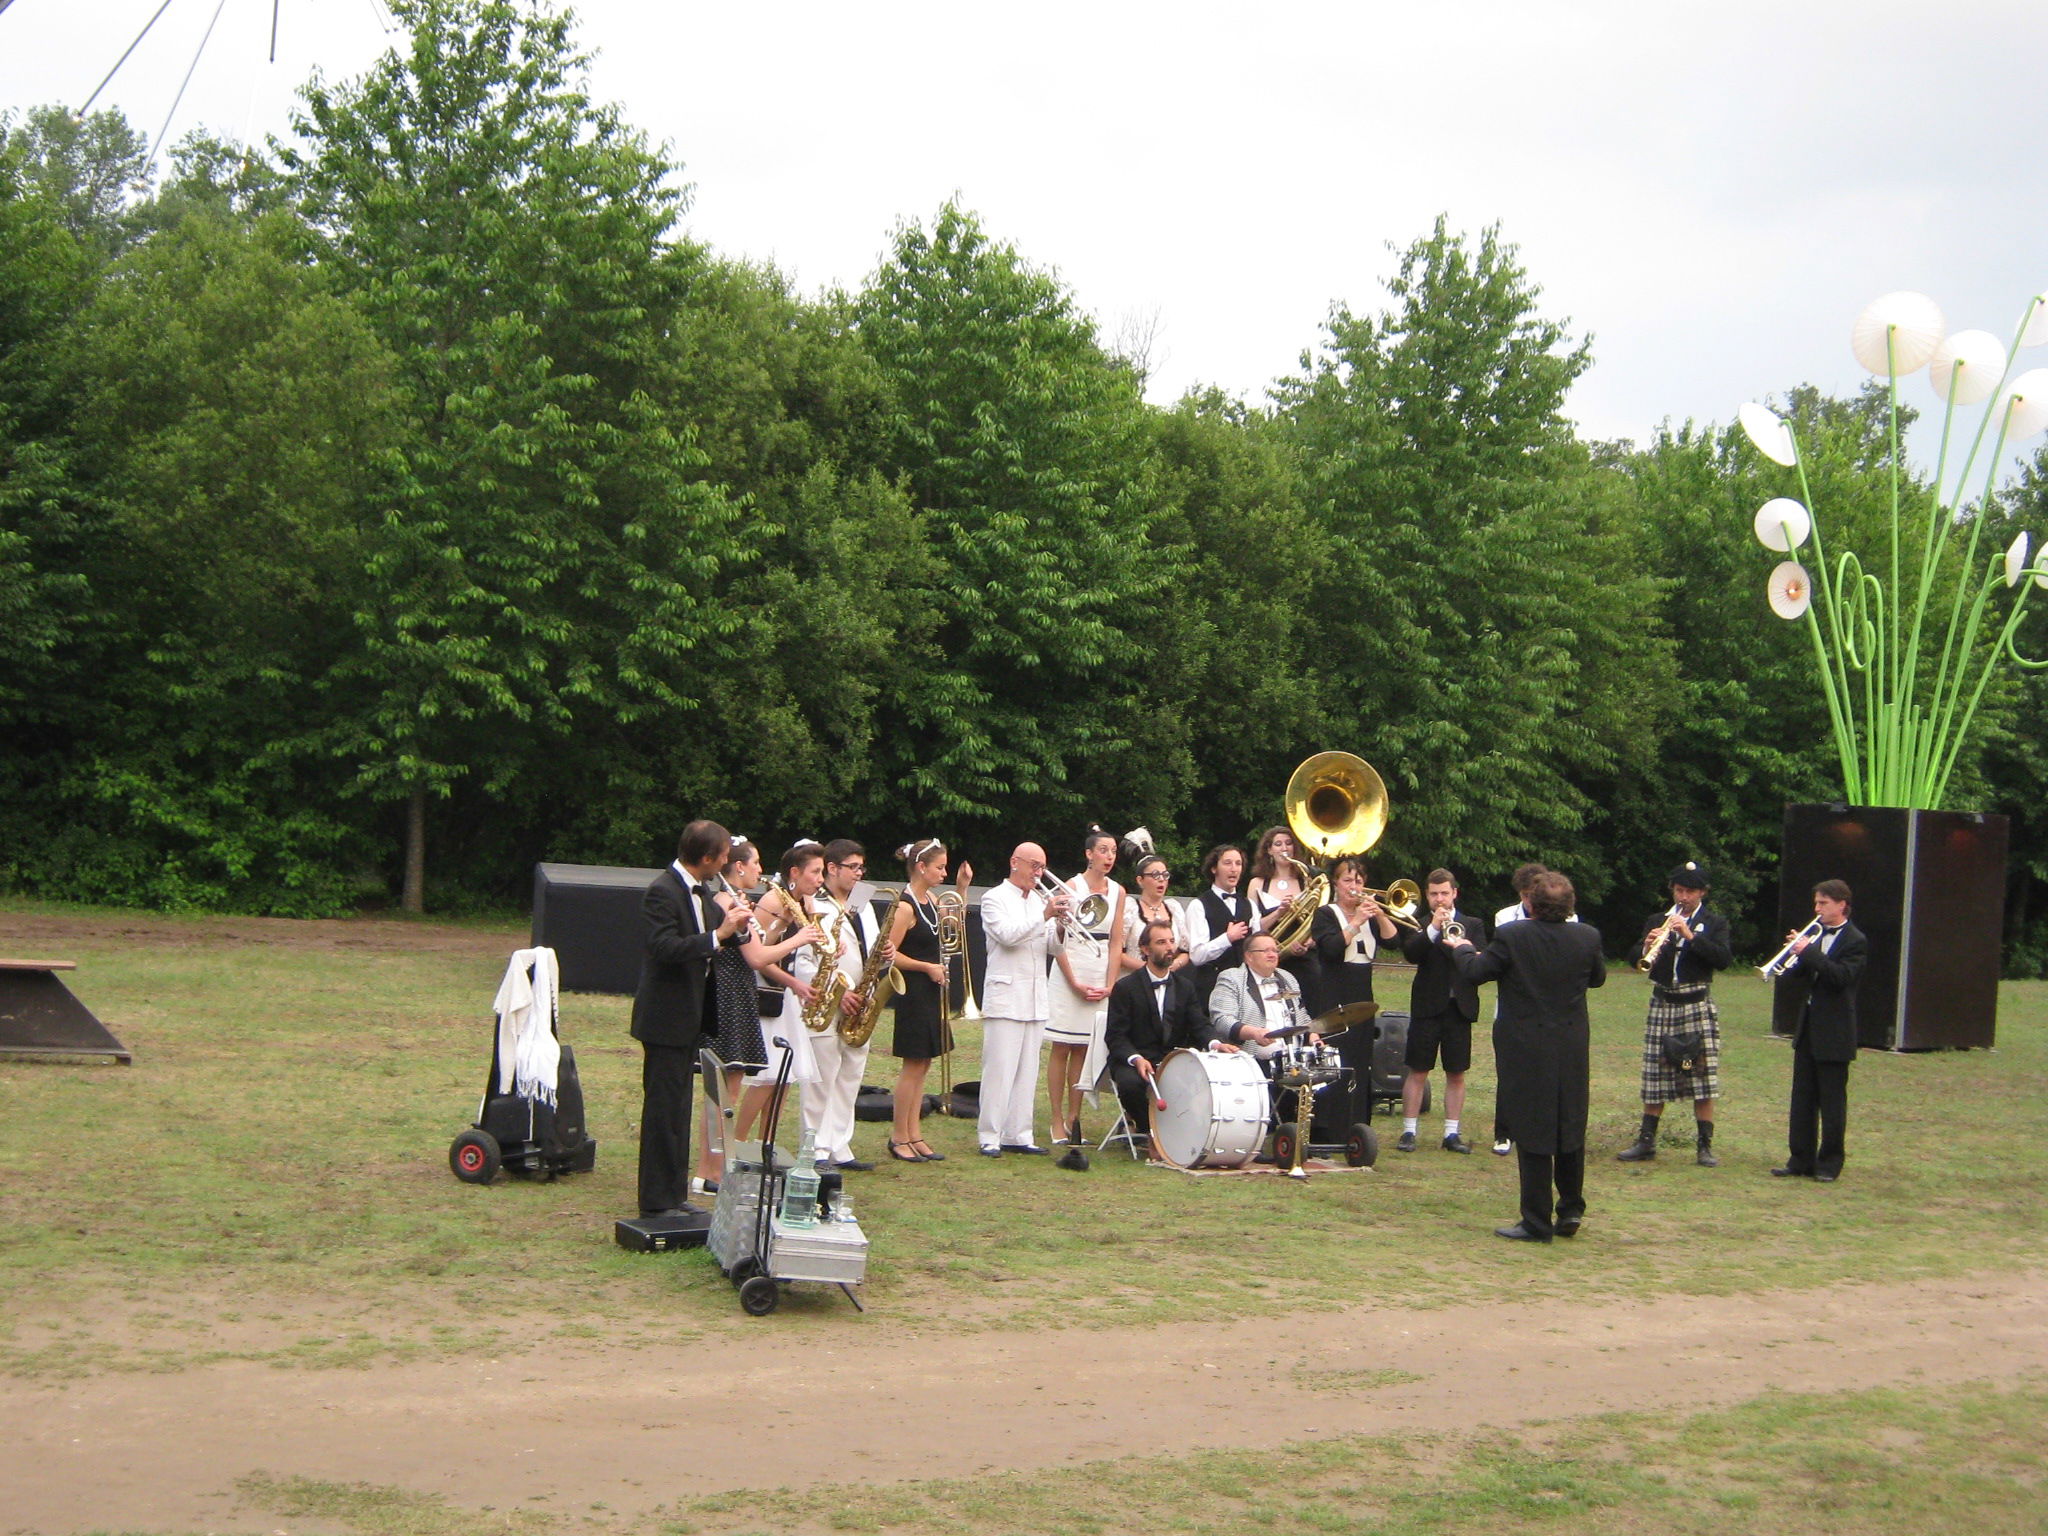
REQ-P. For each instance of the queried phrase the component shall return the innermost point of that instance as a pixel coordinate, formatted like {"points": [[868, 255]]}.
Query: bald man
{"points": [[1019, 923]]}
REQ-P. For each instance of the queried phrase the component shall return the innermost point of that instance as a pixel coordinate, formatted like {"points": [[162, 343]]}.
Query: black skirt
{"points": [[736, 1031]]}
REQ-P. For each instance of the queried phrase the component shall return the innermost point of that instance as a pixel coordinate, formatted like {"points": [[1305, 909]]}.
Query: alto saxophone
{"points": [[878, 980], [828, 987]]}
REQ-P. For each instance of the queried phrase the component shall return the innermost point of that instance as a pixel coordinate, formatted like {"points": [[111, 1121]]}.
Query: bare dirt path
{"points": [[49, 935], [629, 1428]]}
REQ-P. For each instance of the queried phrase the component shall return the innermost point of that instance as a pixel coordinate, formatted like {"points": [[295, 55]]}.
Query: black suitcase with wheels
{"points": [[526, 1136]]}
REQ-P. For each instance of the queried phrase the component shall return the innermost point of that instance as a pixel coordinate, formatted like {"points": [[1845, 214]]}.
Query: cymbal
{"points": [[1337, 1020]]}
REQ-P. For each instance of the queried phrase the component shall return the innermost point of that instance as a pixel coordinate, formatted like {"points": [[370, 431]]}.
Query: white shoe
{"points": [[1503, 1147]]}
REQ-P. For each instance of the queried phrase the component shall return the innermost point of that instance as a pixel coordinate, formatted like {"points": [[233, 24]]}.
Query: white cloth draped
{"points": [[529, 1054]]}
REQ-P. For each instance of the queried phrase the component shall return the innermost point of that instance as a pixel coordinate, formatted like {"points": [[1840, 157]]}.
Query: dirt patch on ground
{"points": [[50, 936], [620, 1425]]}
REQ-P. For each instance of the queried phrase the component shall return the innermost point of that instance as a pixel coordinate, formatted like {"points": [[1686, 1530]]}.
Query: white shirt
{"points": [[1134, 924], [1360, 944], [1019, 939], [1201, 947], [837, 921]]}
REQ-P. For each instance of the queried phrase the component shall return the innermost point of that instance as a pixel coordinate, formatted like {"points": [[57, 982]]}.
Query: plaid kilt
{"points": [[1664, 1083]]}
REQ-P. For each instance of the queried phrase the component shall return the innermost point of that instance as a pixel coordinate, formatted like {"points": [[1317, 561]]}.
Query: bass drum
{"points": [[1216, 1109]]}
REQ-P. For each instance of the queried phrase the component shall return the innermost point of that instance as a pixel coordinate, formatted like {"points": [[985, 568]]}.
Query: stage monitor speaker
{"points": [[40, 1016], [1928, 891], [589, 915]]}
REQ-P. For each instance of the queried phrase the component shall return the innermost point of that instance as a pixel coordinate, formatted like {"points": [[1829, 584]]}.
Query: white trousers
{"points": [[1009, 1080], [828, 1102]]}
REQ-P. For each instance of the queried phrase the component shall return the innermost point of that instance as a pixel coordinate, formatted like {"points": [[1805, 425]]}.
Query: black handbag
{"points": [[1686, 1053]]}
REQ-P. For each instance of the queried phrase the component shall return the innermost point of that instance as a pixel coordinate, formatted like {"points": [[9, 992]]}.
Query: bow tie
{"points": [[1160, 981]]}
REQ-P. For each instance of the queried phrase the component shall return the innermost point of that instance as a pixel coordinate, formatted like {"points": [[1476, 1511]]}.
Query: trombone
{"points": [[952, 946], [1785, 958]]}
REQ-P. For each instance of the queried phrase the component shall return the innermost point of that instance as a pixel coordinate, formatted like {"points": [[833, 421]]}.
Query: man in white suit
{"points": [[1018, 921]]}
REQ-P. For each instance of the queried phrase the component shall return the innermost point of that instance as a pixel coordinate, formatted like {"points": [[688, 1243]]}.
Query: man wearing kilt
{"points": [[1694, 946]]}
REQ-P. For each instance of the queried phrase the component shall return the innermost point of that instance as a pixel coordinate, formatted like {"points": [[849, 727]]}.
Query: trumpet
{"points": [[1655, 947], [1083, 918], [1782, 961]]}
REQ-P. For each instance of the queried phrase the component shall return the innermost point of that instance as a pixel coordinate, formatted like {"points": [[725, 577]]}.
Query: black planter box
{"points": [[1929, 892]]}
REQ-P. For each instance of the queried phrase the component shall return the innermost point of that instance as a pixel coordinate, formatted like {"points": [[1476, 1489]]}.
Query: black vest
{"points": [[1220, 918]]}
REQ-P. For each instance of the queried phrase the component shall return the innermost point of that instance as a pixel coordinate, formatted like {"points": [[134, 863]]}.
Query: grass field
{"points": [[283, 1133], [269, 1182]]}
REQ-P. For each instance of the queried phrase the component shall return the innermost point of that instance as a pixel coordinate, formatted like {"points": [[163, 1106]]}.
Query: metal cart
{"points": [[755, 1248]]}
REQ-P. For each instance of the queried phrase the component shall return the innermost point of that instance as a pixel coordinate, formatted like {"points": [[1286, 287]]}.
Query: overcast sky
{"points": [[1711, 192]]}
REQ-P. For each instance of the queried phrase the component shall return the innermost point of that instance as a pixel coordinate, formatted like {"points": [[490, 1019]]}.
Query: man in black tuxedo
{"points": [[1152, 1010], [1441, 1007], [1542, 1038], [684, 929], [1826, 969]]}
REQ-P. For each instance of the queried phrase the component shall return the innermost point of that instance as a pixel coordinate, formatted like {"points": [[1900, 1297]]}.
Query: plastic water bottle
{"points": [[800, 1186]]}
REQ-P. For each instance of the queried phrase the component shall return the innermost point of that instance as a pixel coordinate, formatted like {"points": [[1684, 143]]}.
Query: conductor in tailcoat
{"points": [[1542, 1042]]}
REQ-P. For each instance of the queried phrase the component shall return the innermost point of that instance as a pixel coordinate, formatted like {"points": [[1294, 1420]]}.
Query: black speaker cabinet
{"points": [[589, 915], [1929, 892]]}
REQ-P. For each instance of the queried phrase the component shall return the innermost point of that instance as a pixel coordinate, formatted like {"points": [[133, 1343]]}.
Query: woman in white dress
{"points": [[1088, 965], [786, 956], [1149, 903]]}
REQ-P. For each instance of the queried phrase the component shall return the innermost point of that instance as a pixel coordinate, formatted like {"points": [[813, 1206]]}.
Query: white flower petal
{"points": [[1791, 591], [1915, 324], [1966, 366], [1782, 524], [1771, 437], [2025, 408], [2016, 560]]}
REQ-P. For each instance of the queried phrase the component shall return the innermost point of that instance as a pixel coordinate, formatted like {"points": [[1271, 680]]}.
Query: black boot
{"points": [[1645, 1146], [1706, 1158]]}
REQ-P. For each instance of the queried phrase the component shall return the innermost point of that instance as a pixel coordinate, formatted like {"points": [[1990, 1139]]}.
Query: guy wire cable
{"points": [[185, 82], [95, 96]]}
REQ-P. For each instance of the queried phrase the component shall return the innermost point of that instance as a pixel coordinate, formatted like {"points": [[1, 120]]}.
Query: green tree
{"points": [[1025, 448], [1481, 617], [89, 171], [547, 562]]}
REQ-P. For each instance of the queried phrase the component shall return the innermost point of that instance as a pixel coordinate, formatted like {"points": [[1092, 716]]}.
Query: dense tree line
{"points": [[415, 500]]}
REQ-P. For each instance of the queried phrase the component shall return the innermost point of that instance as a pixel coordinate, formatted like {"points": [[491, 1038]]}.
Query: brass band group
{"points": [[1234, 1025]]}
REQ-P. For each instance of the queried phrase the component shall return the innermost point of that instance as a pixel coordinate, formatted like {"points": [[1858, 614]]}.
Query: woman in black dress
{"points": [[1347, 933], [920, 1028], [735, 1033]]}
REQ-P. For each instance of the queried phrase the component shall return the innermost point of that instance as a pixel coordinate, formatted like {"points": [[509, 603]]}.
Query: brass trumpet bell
{"points": [[1336, 805], [1093, 911]]}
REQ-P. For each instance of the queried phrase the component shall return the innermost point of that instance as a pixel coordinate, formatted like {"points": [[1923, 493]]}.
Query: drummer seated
{"points": [[1254, 1000], [1153, 1010]]}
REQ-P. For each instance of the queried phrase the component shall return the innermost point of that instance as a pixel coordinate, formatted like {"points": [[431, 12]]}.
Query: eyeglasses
{"points": [[1161, 873], [858, 869]]}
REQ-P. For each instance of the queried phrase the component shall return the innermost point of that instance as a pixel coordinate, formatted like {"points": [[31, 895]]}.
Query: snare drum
{"points": [[1216, 1107]]}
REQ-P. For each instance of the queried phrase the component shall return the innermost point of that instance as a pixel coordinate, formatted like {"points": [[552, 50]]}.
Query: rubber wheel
{"points": [[743, 1270], [474, 1157], [1361, 1146], [1283, 1149], [759, 1296]]}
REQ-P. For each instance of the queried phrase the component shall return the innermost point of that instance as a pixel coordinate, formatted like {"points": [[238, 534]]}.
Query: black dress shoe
{"points": [[1520, 1233], [1825, 1178], [1026, 1150], [854, 1165], [1569, 1227], [991, 1151], [1791, 1173]]}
